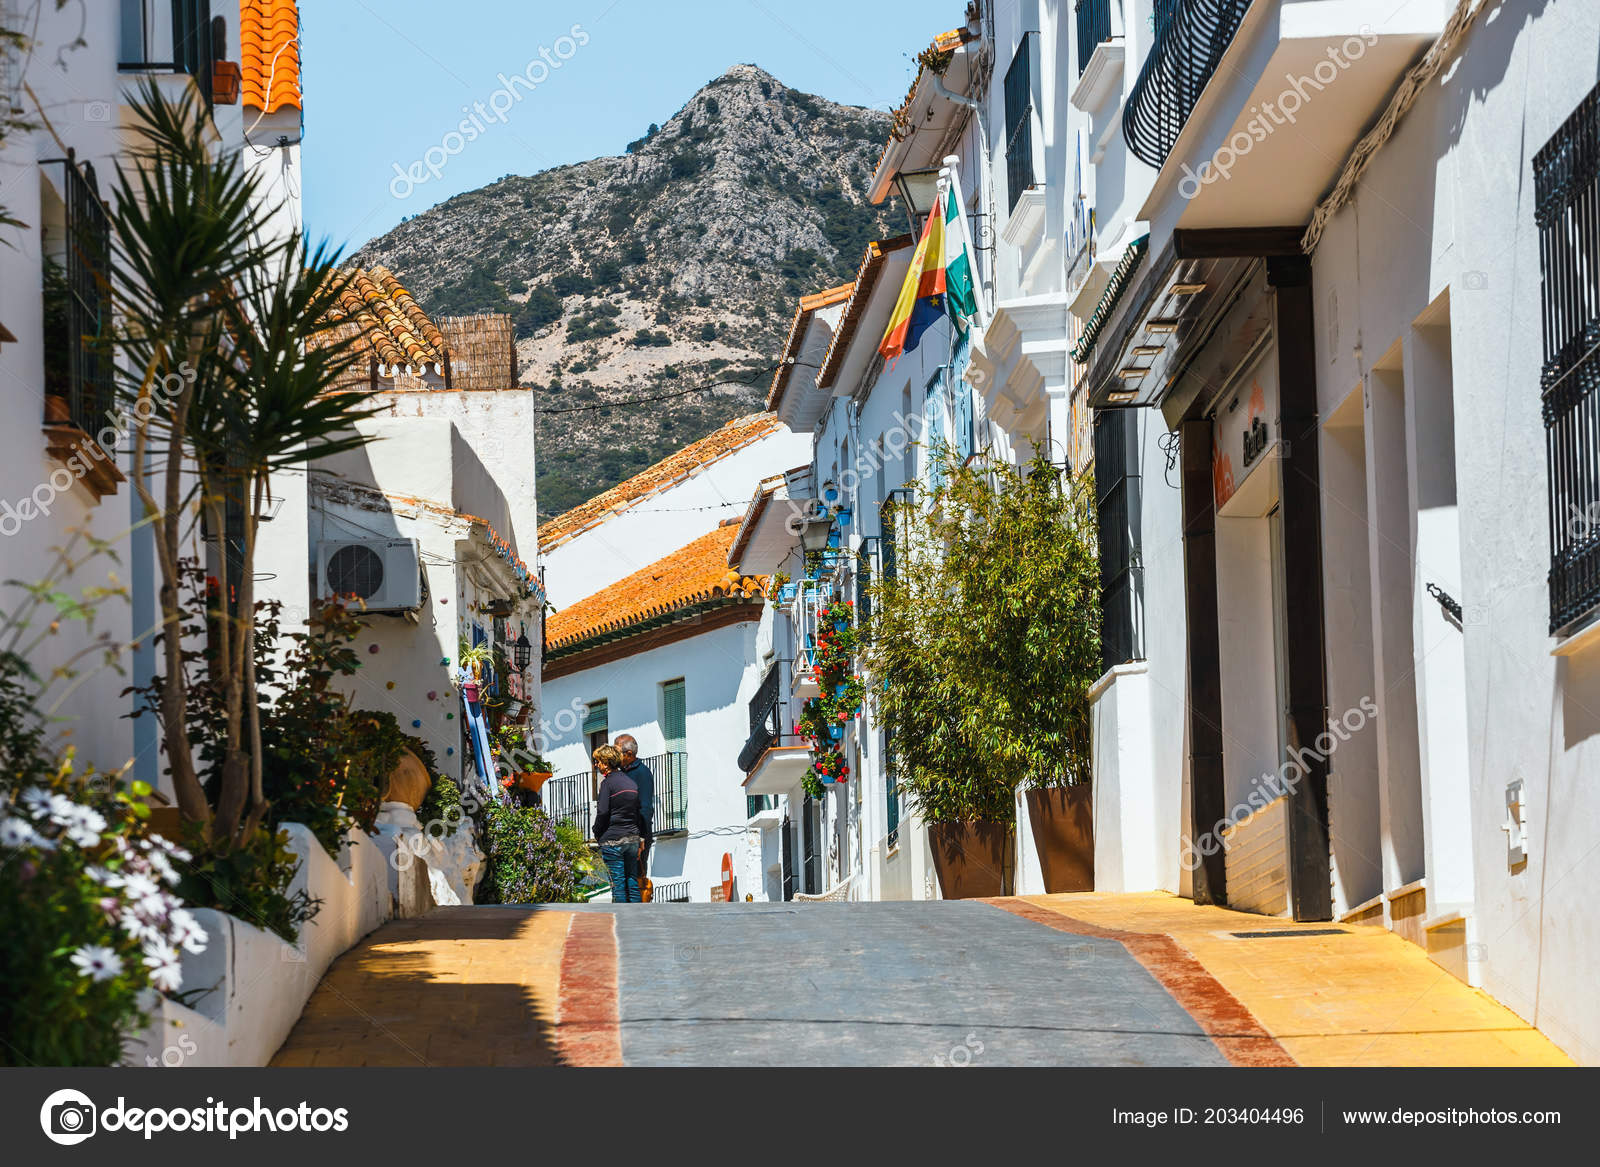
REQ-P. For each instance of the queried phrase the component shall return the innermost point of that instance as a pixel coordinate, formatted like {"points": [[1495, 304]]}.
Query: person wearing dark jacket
{"points": [[645, 780], [620, 825]]}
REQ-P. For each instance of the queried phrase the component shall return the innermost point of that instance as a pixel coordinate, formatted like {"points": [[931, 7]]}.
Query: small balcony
{"points": [[774, 757], [1190, 38], [811, 596]]}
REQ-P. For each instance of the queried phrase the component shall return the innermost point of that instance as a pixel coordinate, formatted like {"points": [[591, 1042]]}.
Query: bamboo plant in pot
{"points": [[982, 649]]}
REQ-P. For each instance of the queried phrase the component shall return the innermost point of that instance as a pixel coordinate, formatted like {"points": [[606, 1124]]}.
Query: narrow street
{"points": [[1067, 980]]}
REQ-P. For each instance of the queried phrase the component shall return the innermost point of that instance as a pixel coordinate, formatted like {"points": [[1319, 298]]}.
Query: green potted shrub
{"points": [[983, 647], [525, 768]]}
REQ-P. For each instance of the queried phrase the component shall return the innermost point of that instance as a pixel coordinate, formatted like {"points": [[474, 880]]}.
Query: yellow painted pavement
{"points": [[1363, 998], [458, 987]]}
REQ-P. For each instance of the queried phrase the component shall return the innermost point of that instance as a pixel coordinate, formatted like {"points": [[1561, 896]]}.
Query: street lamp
{"points": [[814, 532], [918, 191]]}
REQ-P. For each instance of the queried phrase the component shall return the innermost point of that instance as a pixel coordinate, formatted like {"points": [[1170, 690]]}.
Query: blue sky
{"points": [[385, 82]]}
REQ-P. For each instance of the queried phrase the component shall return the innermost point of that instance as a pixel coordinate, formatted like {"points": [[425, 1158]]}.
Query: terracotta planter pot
{"points": [[534, 779], [1062, 818], [972, 859]]}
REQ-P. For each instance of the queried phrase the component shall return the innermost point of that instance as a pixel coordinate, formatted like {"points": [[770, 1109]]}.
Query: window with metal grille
{"points": [[1566, 178], [1019, 119], [1094, 26], [891, 786], [77, 312], [787, 847], [933, 429], [1117, 501], [810, 844]]}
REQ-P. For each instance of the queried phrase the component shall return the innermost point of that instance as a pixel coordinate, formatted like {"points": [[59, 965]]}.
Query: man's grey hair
{"points": [[629, 747]]}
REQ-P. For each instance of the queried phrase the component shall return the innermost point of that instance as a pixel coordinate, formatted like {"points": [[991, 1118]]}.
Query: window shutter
{"points": [[674, 717], [595, 720]]}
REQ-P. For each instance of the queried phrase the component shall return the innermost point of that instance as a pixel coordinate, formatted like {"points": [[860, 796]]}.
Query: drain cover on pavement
{"points": [[1287, 932]]}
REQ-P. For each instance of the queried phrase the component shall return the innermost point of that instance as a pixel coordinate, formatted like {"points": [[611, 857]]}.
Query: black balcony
{"points": [[76, 306], [766, 714], [1019, 119], [1094, 28], [1190, 39]]}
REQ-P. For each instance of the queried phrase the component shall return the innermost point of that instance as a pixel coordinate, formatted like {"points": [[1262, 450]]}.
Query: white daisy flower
{"points": [[187, 930], [37, 800], [166, 973], [97, 962], [16, 833], [61, 810], [138, 886]]}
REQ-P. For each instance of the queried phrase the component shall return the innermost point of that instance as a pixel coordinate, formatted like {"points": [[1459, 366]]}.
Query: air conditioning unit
{"points": [[384, 574]]}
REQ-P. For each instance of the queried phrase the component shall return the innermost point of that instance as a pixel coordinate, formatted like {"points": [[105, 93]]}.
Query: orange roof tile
{"points": [[672, 469], [269, 40], [694, 574], [797, 331], [399, 331]]}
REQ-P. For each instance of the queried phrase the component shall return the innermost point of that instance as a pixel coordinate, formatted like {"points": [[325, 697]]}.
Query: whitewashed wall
{"points": [[1440, 246]]}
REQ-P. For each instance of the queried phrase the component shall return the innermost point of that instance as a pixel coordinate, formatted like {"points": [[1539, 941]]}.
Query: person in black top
{"points": [[620, 827], [645, 780]]}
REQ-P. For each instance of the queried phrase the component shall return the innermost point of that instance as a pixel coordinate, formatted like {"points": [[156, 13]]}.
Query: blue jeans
{"points": [[622, 865]]}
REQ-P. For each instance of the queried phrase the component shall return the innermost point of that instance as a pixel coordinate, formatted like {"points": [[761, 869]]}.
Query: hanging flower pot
{"points": [[836, 732]]}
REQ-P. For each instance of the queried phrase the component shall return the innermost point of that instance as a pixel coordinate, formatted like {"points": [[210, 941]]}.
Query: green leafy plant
{"points": [[985, 643], [532, 858]]}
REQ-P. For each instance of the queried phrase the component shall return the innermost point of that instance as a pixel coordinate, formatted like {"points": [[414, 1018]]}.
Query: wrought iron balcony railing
{"points": [[1094, 27], [1190, 38], [766, 716], [570, 798], [77, 311]]}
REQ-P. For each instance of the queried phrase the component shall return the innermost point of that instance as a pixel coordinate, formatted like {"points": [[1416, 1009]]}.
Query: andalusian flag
{"points": [[939, 282]]}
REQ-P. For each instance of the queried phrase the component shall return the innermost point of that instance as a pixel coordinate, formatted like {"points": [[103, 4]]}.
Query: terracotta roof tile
{"points": [[670, 470], [269, 40], [399, 331], [693, 574], [797, 331]]}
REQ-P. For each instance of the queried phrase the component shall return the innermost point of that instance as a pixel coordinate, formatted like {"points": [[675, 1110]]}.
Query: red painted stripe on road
{"points": [[587, 1033], [1232, 1027]]}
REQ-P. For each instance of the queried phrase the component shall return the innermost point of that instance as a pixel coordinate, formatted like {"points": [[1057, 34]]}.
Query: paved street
{"points": [[1042, 981]]}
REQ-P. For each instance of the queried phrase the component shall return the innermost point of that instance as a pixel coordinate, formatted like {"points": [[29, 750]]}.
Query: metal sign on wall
{"points": [[1245, 427]]}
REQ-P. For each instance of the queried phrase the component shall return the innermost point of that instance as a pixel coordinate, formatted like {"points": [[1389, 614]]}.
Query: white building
{"points": [[424, 523], [1372, 367], [72, 82]]}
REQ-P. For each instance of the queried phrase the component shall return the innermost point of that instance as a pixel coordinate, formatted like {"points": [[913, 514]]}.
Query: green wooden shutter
{"points": [[674, 717], [595, 720]]}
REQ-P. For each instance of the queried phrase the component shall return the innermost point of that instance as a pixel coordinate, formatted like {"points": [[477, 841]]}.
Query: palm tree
{"points": [[229, 359]]}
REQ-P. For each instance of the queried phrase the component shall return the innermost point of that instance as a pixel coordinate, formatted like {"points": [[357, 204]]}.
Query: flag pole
{"points": [[952, 170]]}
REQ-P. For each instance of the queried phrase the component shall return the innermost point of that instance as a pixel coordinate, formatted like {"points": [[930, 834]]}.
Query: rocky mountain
{"points": [[674, 266]]}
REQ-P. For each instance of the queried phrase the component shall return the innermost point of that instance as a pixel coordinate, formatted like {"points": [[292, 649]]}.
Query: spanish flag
{"points": [[938, 283]]}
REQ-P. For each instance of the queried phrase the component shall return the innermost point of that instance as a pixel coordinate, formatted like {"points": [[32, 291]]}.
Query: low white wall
{"points": [[256, 984]]}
